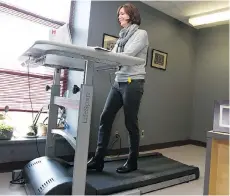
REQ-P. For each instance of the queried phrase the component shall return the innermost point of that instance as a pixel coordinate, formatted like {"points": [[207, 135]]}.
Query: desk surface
{"points": [[218, 135], [41, 48]]}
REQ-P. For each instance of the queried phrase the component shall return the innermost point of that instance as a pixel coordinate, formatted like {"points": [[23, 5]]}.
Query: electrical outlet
{"points": [[116, 134], [142, 133]]}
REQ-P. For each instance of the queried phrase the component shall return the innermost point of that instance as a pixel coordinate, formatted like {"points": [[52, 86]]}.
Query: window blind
{"points": [[26, 92]]}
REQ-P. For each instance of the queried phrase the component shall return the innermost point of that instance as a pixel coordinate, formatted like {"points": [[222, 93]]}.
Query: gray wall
{"points": [[166, 109], [211, 78]]}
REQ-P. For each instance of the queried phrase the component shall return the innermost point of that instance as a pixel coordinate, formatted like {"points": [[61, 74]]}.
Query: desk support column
{"points": [[83, 132], [53, 114]]}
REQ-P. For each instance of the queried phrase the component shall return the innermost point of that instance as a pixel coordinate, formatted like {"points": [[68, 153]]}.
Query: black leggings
{"points": [[129, 96]]}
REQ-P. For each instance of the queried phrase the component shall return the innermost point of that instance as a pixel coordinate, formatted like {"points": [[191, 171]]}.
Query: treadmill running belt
{"points": [[151, 170]]}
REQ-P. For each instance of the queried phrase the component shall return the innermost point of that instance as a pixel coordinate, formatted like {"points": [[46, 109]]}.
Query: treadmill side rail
{"points": [[69, 138]]}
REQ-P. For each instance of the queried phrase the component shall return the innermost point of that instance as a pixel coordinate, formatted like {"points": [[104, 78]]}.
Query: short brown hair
{"points": [[133, 13]]}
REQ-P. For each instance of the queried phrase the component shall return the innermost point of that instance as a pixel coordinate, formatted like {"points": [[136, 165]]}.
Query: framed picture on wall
{"points": [[159, 59], [109, 41]]}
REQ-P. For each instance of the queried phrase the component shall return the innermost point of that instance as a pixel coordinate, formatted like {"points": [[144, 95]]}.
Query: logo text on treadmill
{"points": [[86, 108]]}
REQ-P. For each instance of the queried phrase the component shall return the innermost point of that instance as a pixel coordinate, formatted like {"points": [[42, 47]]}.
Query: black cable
{"points": [[115, 140], [110, 80], [32, 107], [37, 147], [118, 137], [19, 181], [120, 146]]}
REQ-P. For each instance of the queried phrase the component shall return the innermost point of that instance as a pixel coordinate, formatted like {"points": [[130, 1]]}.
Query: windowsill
{"points": [[24, 140]]}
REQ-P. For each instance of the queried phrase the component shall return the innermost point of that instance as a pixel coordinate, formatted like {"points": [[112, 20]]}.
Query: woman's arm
{"points": [[139, 43]]}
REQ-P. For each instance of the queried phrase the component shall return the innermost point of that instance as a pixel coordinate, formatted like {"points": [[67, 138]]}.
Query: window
{"points": [[22, 89], [16, 82]]}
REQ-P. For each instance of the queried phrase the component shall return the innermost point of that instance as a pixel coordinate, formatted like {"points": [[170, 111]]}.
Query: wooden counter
{"points": [[216, 180]]}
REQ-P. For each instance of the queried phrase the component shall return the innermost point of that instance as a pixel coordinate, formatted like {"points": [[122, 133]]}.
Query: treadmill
{"points": [[45, 176], [49, 175]]}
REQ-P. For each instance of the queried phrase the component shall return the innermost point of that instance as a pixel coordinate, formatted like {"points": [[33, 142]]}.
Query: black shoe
{"points": [[95, 164], [127, 167]]}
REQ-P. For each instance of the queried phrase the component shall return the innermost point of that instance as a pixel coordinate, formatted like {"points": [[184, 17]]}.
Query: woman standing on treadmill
{"points": [[127, 90]]}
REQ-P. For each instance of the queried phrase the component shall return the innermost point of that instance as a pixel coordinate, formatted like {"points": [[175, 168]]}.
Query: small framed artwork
{"points": [[109, 41], [159, 59]]}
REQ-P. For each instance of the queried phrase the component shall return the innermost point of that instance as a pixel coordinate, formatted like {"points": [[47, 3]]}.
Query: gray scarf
{"points": [[124, 36]]}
